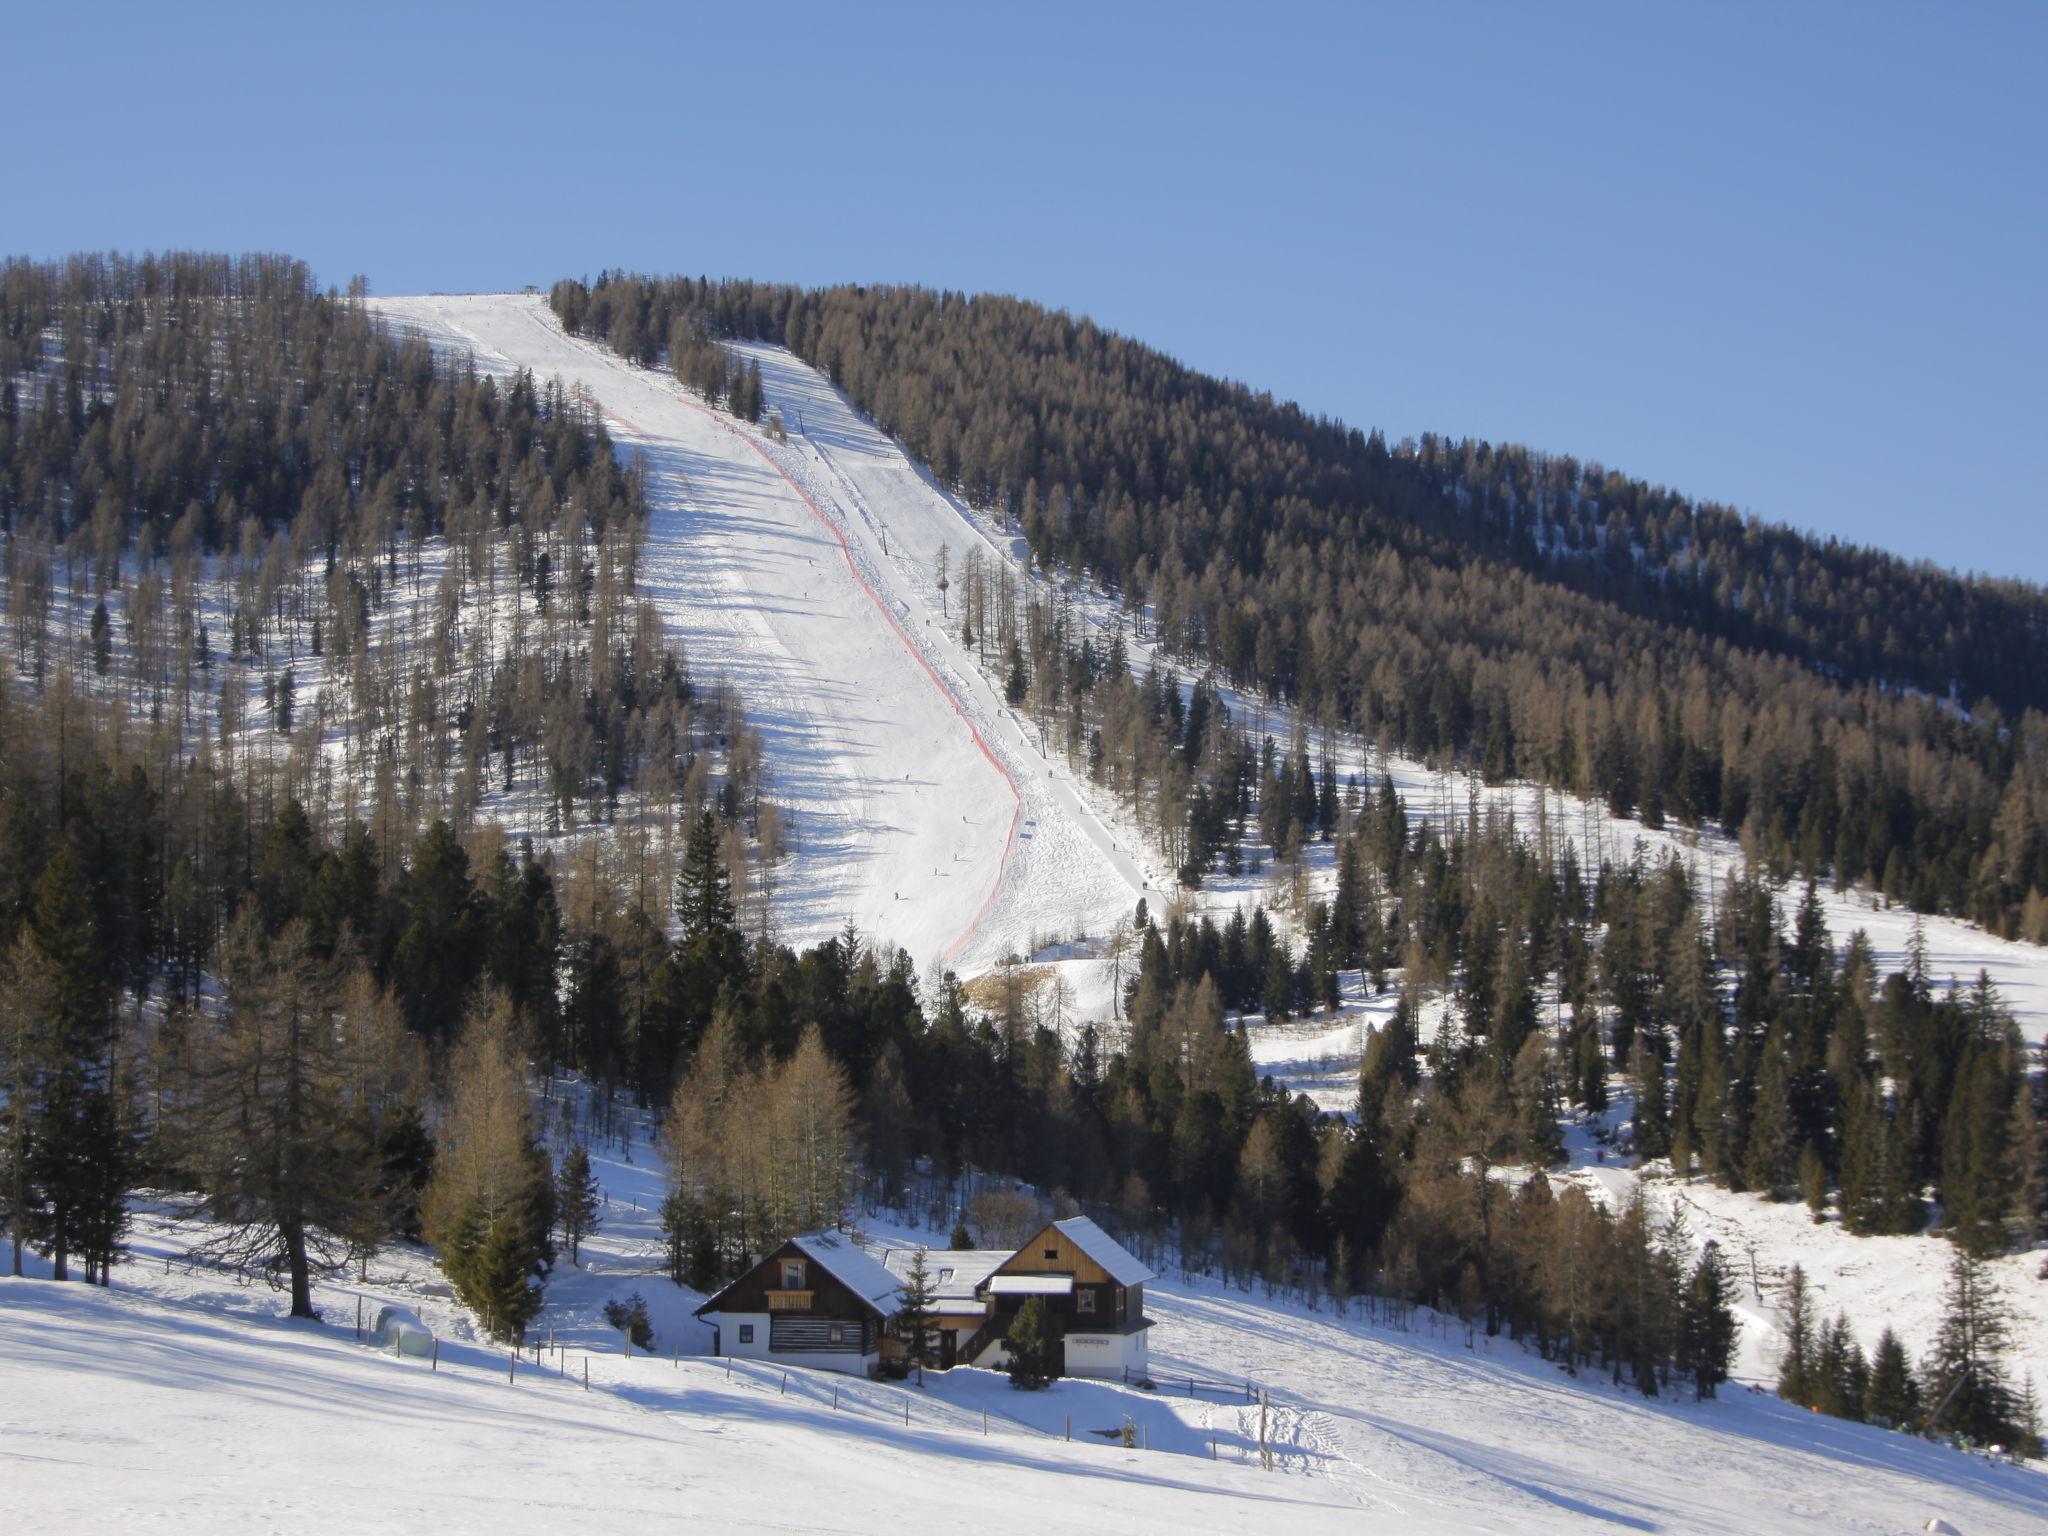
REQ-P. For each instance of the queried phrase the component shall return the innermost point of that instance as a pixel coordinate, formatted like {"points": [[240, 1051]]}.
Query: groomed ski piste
{"points": [[919, 811], [183, 1400]]}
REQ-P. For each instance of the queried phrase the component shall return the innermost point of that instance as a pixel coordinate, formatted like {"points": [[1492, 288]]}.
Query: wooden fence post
{"points": [[511, 1365], [437, 1354], [586, 1373]]}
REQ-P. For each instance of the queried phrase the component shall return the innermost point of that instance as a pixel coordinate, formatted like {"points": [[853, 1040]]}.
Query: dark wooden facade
{"points": [[809, 1310]]}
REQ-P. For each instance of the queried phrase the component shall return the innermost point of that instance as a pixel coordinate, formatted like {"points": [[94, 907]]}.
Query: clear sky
{"points": [[1788, 257]]}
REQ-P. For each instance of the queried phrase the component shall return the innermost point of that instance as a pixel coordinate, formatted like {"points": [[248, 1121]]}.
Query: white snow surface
{"points": [[920, 811], [183, 1400]]}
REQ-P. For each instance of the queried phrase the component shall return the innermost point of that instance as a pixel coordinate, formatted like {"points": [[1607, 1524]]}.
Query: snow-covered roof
{"points": [[954, 1272], [1105, 1250], [1031, 1285], [836, 1254]]}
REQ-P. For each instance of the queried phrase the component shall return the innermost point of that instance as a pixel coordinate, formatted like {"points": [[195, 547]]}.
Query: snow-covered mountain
{"points": [[934, 817]]}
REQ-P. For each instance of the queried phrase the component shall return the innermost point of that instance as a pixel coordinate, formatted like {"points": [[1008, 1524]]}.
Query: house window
{"points": [[792, 1274], [838, 1334], [1084, 1301], [1052, 1253], [746, 1333]]}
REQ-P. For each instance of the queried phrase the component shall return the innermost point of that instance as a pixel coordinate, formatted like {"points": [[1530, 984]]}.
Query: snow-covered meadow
{"points": [[182, 1398]]}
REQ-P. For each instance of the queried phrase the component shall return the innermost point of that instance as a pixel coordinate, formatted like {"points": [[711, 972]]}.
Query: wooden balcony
{"points": [[790, 1301]]}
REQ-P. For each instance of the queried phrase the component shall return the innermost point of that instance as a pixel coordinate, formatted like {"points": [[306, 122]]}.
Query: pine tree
{"points": [[1813, 1180], [1892, 1397], [576, 1200], [1796, 1375], [1706, 1323], [915, 1318], [703, 889], [102, 639], [1965, 1376], [1768, 1166], [1032, 1346], [1016, 684], [77, 1150]]}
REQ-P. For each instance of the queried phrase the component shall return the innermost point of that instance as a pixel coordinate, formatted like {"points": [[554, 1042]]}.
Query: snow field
{"points": [[183, 1399]]}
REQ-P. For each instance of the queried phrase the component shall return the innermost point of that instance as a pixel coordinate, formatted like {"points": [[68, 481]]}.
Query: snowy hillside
{"points": [[807, 572], [182, 1397], [918, 810]]}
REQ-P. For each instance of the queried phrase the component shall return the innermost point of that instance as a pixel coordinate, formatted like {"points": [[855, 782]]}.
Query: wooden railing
{"points": [[790, 1301]]}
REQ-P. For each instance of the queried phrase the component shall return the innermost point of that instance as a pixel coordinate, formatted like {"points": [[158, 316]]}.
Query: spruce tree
{"points": [[915, 1320], [1706, 1323], [1032, 1346], [1965, 1381], [577, 1200], [1892, 1397], [1796, 1371], [77, 1151]]}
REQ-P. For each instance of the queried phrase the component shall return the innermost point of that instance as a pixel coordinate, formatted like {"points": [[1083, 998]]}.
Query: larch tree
{"points": [[490, 1206], [272, 1123]]}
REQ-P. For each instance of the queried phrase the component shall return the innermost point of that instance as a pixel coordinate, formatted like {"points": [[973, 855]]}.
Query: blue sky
{"points": [[1791, 258]]}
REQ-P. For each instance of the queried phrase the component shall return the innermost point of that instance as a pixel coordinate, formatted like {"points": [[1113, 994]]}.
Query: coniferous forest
{"points": [[300, 615]]}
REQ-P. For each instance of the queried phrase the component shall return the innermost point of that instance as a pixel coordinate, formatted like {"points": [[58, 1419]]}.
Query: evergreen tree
{"points": [[1965, 1380], [1706, 1323], [1033, 1346], [76, 1146], [915, 1318], [703, 889], [1796, 1373], [1893, 1395], [577, 1200]]}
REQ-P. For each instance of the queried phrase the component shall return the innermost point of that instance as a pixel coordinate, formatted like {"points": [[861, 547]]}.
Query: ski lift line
{"points": [[853, 569]]}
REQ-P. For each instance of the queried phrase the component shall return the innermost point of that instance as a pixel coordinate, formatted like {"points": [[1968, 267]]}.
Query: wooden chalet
{"points": [[816, 1301], [1092, 1286]]}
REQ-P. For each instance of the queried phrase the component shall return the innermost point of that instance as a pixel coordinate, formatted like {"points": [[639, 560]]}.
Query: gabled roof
{"points": [[1105, 1250], [836, 1254], [954, 1272]]}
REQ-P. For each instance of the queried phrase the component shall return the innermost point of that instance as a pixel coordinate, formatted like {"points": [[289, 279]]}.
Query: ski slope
{"points": [[918, 809]]}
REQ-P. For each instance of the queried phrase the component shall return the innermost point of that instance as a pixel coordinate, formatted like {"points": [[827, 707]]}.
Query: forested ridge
{"points": [[1855, 716]]}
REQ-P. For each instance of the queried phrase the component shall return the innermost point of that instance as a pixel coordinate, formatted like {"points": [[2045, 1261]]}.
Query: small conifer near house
{"points": [[1032, 1347], [915, 1321]]}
